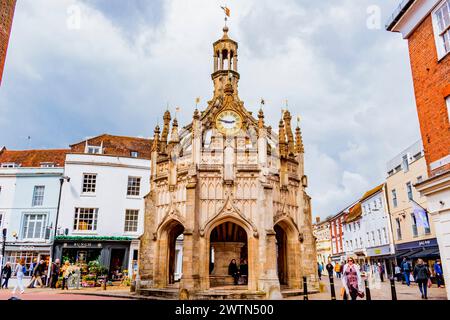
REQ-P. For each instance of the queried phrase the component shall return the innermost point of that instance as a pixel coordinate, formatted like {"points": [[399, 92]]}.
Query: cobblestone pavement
{"points": [[380, 291], [58, 294]]}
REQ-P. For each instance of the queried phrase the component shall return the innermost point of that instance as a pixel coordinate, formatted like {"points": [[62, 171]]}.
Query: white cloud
{"points": [[351, 85]]}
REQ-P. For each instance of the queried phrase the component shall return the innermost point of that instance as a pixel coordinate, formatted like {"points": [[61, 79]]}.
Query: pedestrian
{"points": [[380, 269], [438, 273], [330, 269], [38, 272], [20, 271], [398, 273], [233, 271], [33, 266], [351, 280], [243, 268], [56, 268], [7, 271], [421, 277], [319, 270], [65, 273], [406, 267], [337, 269]]}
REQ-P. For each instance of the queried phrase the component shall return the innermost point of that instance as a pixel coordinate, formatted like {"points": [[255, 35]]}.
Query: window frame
{"points": [[394, 198], [415, 230], [36, 197], [77, 218], [24, 230], [409, 191], [129, 223], [132, 187], [439, 35], [399, 228], [89, 184]]}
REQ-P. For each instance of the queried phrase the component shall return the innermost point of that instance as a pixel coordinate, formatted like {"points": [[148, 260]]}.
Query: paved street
{"points": [[381, 292]]}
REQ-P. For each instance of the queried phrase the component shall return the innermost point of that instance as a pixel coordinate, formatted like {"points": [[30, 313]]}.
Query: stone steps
{"points": [[169, 294]]}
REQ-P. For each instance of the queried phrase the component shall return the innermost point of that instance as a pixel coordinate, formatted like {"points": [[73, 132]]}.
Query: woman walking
{"points": [[20, 272], [421, 277], [351, 279], [7, 271], [65, 273]]}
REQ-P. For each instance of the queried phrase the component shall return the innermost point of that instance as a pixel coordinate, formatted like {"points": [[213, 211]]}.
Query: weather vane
{"points": [[226, 10]]}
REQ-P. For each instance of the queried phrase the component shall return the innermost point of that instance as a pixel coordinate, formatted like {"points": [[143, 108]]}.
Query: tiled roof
{"points": [[34, 158], [354, 213], [371, 192], [117, 145]]}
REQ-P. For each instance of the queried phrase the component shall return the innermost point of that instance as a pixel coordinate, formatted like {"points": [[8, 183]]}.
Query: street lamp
{"points": [[3, 254], [61, 182]]}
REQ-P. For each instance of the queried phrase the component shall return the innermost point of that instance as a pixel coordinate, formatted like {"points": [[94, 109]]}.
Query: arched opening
{"points": [[228, 241], [175, 251], [282, 258], [225, 58]]}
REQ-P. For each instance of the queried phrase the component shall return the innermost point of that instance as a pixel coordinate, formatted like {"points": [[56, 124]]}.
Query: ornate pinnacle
{"points": [[260, 119], [299, 148]]}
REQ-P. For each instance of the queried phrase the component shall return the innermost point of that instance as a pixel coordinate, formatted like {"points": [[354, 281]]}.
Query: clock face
{"points": [[228, 122]]}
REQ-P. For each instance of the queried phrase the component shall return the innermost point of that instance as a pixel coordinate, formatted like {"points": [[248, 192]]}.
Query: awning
{"points": [[406, 253], [427, 253]]}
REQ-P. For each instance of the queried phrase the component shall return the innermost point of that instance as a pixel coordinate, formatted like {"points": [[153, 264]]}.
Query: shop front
{"points": [[29, 253], [382, 255], [427, 250], [112, 253]]}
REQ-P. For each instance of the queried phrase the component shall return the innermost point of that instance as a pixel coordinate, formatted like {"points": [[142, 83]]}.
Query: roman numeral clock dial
{"points": [[228, 122]]}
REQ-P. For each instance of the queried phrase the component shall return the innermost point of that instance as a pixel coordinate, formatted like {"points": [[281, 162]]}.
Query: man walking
{"points": [[337, 268], [330, 269], [406, 267], [54, 273]]}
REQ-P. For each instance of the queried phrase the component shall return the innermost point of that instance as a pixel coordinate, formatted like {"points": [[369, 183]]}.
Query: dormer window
{"points": [[94, 149], [9, 165], [134, 154], [48, 165]]}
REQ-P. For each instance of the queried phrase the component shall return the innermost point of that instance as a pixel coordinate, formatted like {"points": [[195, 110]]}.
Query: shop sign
{"points": [[82, 245], [417, 244], [379, 251]]}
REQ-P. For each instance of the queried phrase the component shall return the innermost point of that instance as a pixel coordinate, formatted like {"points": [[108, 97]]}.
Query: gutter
{"points": [[398, 14]]}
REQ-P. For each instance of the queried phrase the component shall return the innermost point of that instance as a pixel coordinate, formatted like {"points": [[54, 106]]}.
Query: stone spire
{"points": [[290, 137], [174, 137], [298, 140], [156, 142], [165, 131], [260, 119], [282, 139]]}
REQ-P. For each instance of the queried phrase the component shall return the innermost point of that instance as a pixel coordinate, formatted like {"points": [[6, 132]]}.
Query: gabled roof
{"points": [[34, 158], [354, 213], [370, 193], [117, 145], [399, 12]]}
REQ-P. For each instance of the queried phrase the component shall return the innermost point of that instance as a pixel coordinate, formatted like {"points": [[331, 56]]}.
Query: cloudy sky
{"points": [[79, 68]]}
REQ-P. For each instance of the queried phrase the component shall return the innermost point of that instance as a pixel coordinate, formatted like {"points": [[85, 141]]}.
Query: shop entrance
{"points": [[116, 264]]}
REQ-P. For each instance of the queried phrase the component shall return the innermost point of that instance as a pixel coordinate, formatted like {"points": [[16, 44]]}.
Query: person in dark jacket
{"points": [[233, 271], [243, 269], [38, 272], [56, 269], [7, 271], [421, 275], [329, 268]]}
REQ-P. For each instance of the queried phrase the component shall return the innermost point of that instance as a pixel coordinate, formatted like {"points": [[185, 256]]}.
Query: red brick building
{"points": [[337, 235], [426, 26], [7, 8]]}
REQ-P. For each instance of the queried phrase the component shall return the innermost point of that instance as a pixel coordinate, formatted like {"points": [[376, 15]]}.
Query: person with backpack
{"points": [[406, 267], [20, 271], [421, 277]]}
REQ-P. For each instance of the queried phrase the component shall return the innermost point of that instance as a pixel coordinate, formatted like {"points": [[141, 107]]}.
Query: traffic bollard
{"points": [[368, 297], [333, 293], [305, 289], [393, 292]]}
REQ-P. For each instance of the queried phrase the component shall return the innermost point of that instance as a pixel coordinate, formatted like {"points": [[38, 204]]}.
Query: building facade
{"points": [[235, 190], [29, 193], [411, 239], [337, 235], [353, 237], [322, 234], [102, 205], [377, 229], [7, 8], [426, 26]]}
